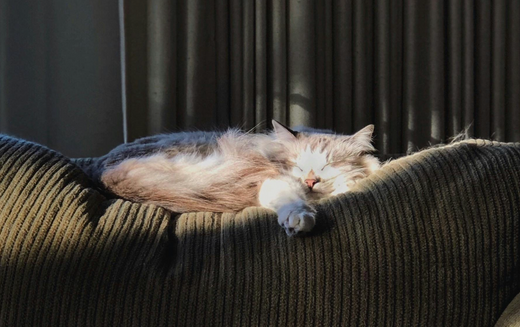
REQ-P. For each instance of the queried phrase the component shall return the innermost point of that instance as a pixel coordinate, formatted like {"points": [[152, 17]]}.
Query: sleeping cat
{"points": [[229, 171]]}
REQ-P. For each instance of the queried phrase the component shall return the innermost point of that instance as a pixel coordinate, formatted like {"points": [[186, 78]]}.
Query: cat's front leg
{"points": [[287, 197]]}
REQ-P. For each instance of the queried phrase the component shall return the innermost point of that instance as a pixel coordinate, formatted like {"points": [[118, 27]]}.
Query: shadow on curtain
{"points": [[422, 71]]}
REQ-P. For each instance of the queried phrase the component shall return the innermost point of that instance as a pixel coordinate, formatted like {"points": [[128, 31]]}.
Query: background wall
{"points": [[60, 74], [420, 70]]}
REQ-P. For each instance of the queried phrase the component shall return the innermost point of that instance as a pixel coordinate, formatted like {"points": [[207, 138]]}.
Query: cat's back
{"points": [[231, 143], [171, 144]]}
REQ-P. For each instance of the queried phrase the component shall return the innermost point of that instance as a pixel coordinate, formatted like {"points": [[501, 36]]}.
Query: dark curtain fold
{"points": [[422, 71]]}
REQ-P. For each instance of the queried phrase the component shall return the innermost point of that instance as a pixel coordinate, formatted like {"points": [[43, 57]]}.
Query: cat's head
{"points": [[327, 163]]}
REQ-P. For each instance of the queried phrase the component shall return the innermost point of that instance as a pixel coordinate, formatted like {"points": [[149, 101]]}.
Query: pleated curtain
{"points": [[421, 71]]}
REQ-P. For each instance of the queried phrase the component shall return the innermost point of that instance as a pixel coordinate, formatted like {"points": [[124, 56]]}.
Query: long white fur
{"points": [[285, 196]]}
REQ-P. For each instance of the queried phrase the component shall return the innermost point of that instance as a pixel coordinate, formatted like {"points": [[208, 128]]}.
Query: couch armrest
{"points": [[511, 315]]}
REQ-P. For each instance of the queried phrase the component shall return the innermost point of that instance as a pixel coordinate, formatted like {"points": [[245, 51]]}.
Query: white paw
{"points": [[296, 219]]}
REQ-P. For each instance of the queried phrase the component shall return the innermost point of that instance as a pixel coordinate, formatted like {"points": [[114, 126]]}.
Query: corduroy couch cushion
{"points": [[432, 239]]}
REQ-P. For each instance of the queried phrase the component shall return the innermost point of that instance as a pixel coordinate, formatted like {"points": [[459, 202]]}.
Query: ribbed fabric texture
{"points": [[421, 71], [511, 315], [430, 240]]}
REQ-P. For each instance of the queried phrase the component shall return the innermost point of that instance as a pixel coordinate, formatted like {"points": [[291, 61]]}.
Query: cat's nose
{"points": [[311, 182]]}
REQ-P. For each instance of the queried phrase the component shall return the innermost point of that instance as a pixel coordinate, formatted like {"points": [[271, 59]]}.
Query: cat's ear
{"points": [[363, 138], [283, 132]]}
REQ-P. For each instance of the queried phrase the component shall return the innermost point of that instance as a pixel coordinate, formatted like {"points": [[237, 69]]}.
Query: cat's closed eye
{"points": [[327, 165]]}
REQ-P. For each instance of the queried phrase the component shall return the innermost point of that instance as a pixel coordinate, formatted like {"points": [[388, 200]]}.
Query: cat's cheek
{"points": [[340, 185], [296, 172], [329, 172]]}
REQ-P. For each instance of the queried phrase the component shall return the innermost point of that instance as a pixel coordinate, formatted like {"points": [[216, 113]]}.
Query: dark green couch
{"points": [[430, 240]]}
